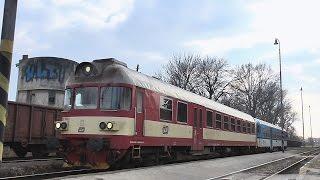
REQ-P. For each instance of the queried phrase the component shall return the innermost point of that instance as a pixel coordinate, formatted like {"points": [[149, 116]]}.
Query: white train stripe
{"points": [[213, 134]]}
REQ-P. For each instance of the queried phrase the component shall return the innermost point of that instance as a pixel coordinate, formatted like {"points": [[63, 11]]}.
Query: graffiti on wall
{"points": [[44, 70]]}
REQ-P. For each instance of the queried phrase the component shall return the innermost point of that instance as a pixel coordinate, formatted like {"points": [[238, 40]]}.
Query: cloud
{"points": [[81, 14], [293, 22]]}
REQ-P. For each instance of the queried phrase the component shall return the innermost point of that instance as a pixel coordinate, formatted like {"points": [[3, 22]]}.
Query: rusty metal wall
{"points": [[30, 124]]}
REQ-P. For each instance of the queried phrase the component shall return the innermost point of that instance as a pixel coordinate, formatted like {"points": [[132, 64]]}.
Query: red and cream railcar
{"points": [[114, 113]]}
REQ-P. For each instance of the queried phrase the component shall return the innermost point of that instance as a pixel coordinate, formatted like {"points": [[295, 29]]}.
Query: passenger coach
{"points": [[115, 114]]}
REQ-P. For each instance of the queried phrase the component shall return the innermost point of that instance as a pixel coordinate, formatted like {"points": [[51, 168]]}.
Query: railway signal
{"points": [[6, 47]]}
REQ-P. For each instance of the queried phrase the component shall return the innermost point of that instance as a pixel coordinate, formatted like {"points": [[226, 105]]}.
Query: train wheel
{"points": [[19, 150]]}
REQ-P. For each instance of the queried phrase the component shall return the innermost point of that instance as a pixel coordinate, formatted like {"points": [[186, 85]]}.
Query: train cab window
{"points": [[86, 98], [244, 127], [115, 98], [139, 101], [226, 122], [238, 125], [218, 121], [182, 112], [209, 119], [233, 124], [67, 99], [165, 108]]}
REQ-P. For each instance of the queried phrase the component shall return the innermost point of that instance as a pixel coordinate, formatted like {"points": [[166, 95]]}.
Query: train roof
{"points": [[267, 124], [119, 73]]}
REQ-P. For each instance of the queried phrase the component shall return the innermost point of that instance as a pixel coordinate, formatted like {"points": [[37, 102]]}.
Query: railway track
{"points": [[62, 173], [15, 160], [289, 163]]}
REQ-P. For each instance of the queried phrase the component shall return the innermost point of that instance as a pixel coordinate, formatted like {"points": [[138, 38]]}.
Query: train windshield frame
{"points": [[67, 99], [86, 98]]}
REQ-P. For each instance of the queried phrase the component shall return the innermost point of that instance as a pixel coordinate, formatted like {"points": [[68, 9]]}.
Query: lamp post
{"points": [[302, 117], [310, 126], [277, 42]]}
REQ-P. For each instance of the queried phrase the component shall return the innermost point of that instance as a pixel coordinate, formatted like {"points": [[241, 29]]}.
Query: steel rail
{"points": [[259, 165], [288, 167]]}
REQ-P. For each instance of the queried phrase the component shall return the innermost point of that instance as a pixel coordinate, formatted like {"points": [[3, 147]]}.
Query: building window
{"points": [[218, 121], [182, 112], [165, 108], [226, 122], [139, 101], [209, 119], [115, 98], [52, 97], [233, 124]]}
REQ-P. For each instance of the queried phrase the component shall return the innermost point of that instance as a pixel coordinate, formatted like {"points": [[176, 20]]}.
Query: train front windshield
{"points": [[86, 98]]}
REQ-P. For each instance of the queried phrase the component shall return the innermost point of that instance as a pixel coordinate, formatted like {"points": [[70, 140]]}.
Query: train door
{"points": [[140, 112], [197, 129]]}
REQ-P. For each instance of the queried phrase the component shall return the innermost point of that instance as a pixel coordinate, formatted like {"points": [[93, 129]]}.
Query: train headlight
{"points": [[58, 125], [64, 125], [109, 125], [103, 125], [88, 69]]}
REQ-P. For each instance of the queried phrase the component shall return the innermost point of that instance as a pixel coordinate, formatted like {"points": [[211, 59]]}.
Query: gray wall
{"points": [[40, 75]]}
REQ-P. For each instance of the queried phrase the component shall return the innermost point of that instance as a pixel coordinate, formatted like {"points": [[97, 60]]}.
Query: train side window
{"points": [[248, 127], [165, 108], [233, 124], [218, 121], [244, 128], [182, 112], [200, 117], [253, 128], [139, 101], [238, 125], [209, 119], [195, 117], [226, 122]]}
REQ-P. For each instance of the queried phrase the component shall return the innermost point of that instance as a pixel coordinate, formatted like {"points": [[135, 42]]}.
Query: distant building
{"points": [[41, 80]]}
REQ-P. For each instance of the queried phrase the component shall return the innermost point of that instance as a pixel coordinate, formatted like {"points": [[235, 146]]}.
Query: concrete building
{"points": [[41, 80]]}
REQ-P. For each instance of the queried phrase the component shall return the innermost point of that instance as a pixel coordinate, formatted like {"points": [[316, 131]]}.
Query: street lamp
{"points": [[310, 126], [277, 42]]}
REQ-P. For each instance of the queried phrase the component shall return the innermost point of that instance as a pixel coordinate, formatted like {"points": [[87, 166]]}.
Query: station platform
{"points": [[312, 167]]}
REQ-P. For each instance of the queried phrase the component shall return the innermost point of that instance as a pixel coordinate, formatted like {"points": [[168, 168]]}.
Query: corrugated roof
{"points": [[141, 80]]}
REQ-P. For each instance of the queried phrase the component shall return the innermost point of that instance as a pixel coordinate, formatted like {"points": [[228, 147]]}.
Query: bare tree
{"points": [[214, 77], [181, 71]]}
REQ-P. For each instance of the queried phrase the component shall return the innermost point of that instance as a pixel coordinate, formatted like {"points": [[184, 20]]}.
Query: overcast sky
{"points": [[149, 32]]}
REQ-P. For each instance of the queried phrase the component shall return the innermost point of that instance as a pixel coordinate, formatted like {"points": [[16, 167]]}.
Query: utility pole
{"points": [[310, 126], [302, 116], [277, 42], [6, 47]]}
